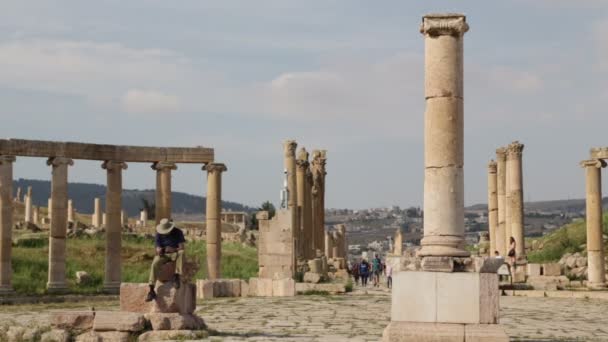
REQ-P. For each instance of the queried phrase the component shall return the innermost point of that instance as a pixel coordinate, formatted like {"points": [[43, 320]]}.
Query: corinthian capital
{"points": [[446, 24], [492, 166], [214, 167], [597, 163], [501, 154], [515, 149], [290, 148]]}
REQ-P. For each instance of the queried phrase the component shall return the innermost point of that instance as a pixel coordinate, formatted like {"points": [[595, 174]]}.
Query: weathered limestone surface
{"points": [[214, 225], [170, 300], [443, 138], [118, 321], [275, 245], [502, 236], [206, 289], [70, 211], [175, 321], [6, 223], [113, 261], [172, 335], [163, 189], [72, 150], [493, 208], [319, 161], [28, 209], [289, 147], [73, 320], [305, 246], [59, 223], [104, 336], [552, 269], [595, 240], [96, 218], [516, 197]]}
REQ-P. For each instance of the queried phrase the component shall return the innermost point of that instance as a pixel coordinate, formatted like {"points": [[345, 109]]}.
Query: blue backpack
{"points": [[363, 268]]}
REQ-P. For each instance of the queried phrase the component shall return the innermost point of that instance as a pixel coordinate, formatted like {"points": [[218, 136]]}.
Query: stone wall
{"points": [[276, 246]]}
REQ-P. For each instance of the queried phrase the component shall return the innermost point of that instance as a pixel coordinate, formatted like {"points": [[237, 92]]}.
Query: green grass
{"points": [[30, 262], [567, 239]]}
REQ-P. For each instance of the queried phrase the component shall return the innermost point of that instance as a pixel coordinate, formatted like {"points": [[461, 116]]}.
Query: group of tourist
{"points": [[364, 270]]}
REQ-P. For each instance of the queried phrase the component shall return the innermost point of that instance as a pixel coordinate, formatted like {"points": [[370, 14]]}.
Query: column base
{"points": [[450, 246], [443, 332], [56, 288], [597, 286], [6, 290], [111, 288]]}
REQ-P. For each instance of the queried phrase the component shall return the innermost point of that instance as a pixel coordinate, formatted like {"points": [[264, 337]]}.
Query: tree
{"points": [[150, 208], [266, 206]]}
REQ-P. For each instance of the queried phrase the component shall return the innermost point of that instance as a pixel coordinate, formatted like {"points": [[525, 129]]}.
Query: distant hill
{"points": [[83, 195], [562, 205]]}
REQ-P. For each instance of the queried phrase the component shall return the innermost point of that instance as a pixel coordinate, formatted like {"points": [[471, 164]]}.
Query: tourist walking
{"points": [[376, 270], [511, 254], [364, 272], [355, 272], [388, 272]]}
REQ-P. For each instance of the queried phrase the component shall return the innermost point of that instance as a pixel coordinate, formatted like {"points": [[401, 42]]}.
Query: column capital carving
{"points": [[57, 161], [7, 159], [597, 163], [303, 154], [289, 147], [501, 154], [492, 166], [161, 165], [444, 24], [215, 167], [515, 149], [599, 152], [113, 164]]}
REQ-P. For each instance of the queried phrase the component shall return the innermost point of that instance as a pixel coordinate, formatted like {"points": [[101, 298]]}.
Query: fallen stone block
{"points": [[181, 335], [73, 320], [182, 300], [107, 336], [175, 321], [552, 269], [132, 297], [312, 278], [55, 335], [118, 321]]}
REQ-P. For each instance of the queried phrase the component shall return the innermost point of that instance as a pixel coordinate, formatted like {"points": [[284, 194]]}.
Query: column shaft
{"points": [[289, 147], [97, 213], [214, 224], [502, 240], [493, 208], [113, 264], [6, 223], [444, 137], [163, 189], [595, 243], [302, 188], [318, 193], [516, 197], [59, 224]]}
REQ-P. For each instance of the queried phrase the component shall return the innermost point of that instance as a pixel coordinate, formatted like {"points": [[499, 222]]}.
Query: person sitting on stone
{"points": [[169, 244]]}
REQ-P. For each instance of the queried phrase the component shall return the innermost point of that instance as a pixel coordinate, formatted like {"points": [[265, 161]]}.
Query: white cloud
{"points": [[139, 101]]}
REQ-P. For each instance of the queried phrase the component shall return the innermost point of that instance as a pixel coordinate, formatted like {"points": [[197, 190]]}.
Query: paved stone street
{"points": [[356, 317]]}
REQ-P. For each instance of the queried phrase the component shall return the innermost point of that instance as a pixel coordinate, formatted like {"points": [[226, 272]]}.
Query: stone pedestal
{"points": [[113, 263], [6, 223], [214, 224], [59, 223], [516, 197], [163, 189], [596, 273], [502, 236]]}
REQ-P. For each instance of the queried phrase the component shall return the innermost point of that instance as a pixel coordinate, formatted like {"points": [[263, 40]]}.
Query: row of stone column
{"points": [[60, 213], [506, 200], [306, 199], [335, 243]]}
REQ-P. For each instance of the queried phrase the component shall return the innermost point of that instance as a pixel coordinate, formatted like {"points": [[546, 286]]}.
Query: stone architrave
{"points": [[319, 161], [113, 264], [289, 159], [163, 189], [495, 243], [444, 138], [596, 273], [516, 197], [502, 236], [6, 223], [59, 224], [28, 209], [70, 211], [304, 247], [214, 224], [398, 243], [96, 218]]}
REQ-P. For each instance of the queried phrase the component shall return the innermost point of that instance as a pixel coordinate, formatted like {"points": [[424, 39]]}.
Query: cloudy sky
{"points": [[344, 75]]}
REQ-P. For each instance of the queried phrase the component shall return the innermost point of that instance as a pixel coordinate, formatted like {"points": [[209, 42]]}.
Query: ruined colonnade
{"points": [[114, 160]]}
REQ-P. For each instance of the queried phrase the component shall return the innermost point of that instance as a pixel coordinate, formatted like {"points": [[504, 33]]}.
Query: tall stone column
{"points": [[329, 246], [289, 147], [163, 189], [318, 199], [502, 236], [516, 197], [443, 137], [343, 245], [70, 211], [6, 223], [596, 273], [143, 217], [113, 265], [28, 209], [35, 215], [304, 205], [96, 219], [59, 223], [307, 213], [49, 207], [18, 197], [214, 224], [496, 244]]}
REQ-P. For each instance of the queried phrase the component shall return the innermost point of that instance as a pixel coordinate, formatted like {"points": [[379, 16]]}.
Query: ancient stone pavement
{"points": [[356, 317]]}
